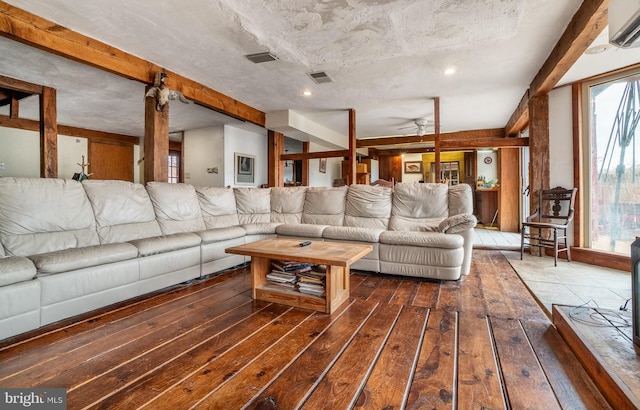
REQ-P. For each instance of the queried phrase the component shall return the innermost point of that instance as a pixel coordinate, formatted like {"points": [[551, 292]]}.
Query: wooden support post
{"points": [[538, 149], [436, 114], [48, 133], [14, 106], [351, 176], [305, 165], [276, 165], [156, 141]]}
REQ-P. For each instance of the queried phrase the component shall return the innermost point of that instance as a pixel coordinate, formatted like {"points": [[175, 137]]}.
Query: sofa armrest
{"points": [[458, 223]]}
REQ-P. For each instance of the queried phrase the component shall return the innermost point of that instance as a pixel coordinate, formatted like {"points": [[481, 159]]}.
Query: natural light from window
{"points": [[614, 194]]}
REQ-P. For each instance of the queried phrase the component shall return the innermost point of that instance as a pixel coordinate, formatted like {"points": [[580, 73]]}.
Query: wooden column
{"points": [[436, 115], [276, 166], [509, 193], [351, 176], [156, 141], [48, 134], [14, 106], [305, 164], [538, 150]]}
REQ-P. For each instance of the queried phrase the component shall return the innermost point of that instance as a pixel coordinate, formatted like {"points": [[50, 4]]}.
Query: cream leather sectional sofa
{"points": [[69, 247]]}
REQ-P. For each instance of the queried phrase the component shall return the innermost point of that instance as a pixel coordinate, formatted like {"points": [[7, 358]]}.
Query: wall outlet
{"points": [[2, 166]]}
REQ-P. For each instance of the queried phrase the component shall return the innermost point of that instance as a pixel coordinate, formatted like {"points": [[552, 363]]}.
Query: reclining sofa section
{"points": [[70, 247]]}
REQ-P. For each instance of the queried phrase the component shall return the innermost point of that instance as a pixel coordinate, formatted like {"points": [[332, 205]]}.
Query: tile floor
{"points": [[570, 283]]}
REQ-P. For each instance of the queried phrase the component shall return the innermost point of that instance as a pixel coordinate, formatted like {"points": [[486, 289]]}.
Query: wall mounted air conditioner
{"points": [[624, 23]]}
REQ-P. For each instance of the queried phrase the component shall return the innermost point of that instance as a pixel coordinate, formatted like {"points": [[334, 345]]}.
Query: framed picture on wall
{"points": [[413, 167], [323, 165], [245, 169]]}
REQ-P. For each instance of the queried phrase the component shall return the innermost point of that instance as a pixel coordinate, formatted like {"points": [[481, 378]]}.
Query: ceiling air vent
{"points": [[320, 77], [261, 57]]}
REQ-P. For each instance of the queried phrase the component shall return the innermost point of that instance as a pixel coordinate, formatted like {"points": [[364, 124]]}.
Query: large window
{"points": [[611, 163]]}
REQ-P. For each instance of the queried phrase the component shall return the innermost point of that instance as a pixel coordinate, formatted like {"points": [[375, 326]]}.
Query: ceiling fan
{"points": [[420, 126]]}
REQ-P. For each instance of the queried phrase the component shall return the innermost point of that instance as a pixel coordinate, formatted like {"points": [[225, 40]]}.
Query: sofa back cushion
{"points": [[123, 210], [218, 206], [254, 205], [39, 215], [324, 206], [176, 206], [460, 199], [418, 207], [287, 204], [368, 206]]}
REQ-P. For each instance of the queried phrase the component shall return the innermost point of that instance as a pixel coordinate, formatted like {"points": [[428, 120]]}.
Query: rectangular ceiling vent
{"points": [[320, 77], [261, 57]]}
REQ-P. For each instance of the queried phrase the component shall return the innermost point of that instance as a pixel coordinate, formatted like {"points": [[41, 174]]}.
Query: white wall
{"points": [[561, 155], [20, 153], [560, 138], [245, 142], [203, 148], [317, 178], [411, 177], [488, 171], [70, 152]]}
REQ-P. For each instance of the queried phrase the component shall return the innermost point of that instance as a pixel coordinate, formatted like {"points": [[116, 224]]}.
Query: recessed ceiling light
{"points": [[307, 93], [450, 70], [598, 49]]}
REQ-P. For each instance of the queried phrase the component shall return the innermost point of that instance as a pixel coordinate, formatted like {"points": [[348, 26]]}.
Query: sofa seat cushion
{"points": [[15, 269], [78, 258], [301, 230], [401, 223], [221, 234], [352, 233], [166, 243], [458, 223], [261, 228], [421, 256], [422, 239]]}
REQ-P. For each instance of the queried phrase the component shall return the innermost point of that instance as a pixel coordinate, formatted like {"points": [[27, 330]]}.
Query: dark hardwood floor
{"points": [[478, 343]]}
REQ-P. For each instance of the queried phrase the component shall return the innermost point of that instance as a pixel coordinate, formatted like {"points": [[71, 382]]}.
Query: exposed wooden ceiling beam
{"points": [[33, 125], [415, 139], [461, 145], [18, 85], [314, 155], [485, 143], [35, 31], [585, 26]]}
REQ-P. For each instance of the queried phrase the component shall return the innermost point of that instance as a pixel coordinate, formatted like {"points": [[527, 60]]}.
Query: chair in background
{"points": [[384, 183], [547, 226]]}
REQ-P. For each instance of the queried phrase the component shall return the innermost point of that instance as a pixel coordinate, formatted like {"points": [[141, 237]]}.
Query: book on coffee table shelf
{"points": [[304, 277]]}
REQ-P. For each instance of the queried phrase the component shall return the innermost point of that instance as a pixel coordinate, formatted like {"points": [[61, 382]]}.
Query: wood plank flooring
{"points": [[478, 343]]}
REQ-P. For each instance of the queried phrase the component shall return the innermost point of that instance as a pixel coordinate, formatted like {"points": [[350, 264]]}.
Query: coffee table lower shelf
{"points": [[290, 297], [337, 288]]}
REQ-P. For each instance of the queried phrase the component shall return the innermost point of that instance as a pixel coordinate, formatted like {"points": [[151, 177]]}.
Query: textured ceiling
{"points": [[387, 58]]}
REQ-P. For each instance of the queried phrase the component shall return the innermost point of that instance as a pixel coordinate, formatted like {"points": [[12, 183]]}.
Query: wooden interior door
{"points": [[110, 161]]}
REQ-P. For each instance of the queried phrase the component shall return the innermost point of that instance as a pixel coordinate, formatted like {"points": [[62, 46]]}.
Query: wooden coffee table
{"points": [[336, 256]]}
